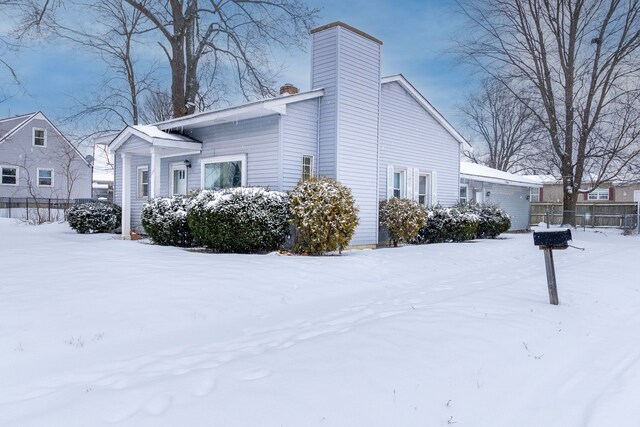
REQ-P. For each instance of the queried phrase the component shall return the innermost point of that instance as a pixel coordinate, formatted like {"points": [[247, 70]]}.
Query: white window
{"points": [[307, 167], [599, 194], [39, 137], [9, 175], [224, 172], [423, 189], [143, 182], [45, 177], [464, 193], [534, 195], [399, 184]]}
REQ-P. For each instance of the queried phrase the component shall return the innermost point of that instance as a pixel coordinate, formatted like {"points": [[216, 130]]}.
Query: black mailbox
{"points": [[552, 239]]}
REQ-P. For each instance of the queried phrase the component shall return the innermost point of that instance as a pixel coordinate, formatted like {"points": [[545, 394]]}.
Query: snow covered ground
{"points": [[97, 331]]}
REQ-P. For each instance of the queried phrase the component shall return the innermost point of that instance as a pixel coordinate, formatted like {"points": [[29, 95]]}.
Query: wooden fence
{"points": [[611, 214], [37, 210]]}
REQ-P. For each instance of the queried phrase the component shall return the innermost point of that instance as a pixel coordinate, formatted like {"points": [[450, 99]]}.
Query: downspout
{"points": [[317, 169]]}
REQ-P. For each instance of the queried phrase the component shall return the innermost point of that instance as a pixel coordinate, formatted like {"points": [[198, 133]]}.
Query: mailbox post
{"points": [[548, 241]]}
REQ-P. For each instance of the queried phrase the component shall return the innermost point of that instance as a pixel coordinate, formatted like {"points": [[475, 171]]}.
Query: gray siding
{"points": [[257, 138], [324, 74], [18, 150], [299, 138], [410, 137], [510, 198]]}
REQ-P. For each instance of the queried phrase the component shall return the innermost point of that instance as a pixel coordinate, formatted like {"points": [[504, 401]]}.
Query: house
{"points": [[38, 161], [482, 184], [607, 205], [377, 135]]}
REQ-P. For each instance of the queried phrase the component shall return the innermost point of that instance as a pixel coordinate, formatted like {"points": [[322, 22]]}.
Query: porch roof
{"points": [[484, 173], [170, 143]]}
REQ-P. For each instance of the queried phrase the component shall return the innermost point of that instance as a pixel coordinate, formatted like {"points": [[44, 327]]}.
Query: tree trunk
{"points": [[569, 201]]}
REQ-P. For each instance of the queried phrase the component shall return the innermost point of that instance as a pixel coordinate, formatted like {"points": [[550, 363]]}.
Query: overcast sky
{"points": [[416, 35]]}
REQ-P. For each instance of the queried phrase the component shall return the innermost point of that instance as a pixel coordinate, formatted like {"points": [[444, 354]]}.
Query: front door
{"points": [[478, 196], [178, 179]]}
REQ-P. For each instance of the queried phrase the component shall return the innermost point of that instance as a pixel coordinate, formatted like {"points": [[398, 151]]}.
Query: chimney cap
{"points": [[288, 89], [348, 27]]}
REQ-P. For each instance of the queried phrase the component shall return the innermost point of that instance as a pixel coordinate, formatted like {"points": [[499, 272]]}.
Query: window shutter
{"points": [[409, 184], [389, 182], [586, 196], [416, 184], [541, 198], [612, 193], [434, 188]]}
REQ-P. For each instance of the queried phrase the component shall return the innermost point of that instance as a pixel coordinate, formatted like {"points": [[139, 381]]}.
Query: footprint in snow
{"points": [[254, 374], [206, 386], [158, 405]]}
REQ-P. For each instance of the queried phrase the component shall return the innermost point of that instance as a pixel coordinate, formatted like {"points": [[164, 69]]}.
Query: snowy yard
{"points": [[97, 331]]}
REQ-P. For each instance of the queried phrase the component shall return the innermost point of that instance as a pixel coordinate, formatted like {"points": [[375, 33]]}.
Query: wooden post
{"points": [[551, 276]]}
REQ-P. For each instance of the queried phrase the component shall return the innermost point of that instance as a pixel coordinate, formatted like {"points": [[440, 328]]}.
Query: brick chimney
{"points": [[288, 88]]}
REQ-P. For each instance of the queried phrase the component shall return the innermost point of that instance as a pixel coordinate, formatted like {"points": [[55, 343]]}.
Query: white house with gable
{"points": [[377, 135]]}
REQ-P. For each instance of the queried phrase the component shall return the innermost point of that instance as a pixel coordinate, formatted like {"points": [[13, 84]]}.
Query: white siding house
{"points": [[377, 135]]}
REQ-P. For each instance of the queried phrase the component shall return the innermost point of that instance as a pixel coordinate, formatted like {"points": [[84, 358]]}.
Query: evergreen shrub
{"points": [[324, 214], [165, 221], [447, 225], [94, 217], [239, 220], [403, 218]]}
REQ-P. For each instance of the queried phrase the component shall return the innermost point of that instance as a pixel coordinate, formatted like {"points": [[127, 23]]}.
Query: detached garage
{"points": [[482, 184]]}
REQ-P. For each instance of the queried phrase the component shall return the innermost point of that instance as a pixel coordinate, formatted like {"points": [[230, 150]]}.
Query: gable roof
{"points": [[154, 136], [484, 173], [26, 118], [400, 79]]}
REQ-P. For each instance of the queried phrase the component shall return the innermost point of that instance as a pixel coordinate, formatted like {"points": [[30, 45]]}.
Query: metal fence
{"points": [[37, 210], [612, 214]]}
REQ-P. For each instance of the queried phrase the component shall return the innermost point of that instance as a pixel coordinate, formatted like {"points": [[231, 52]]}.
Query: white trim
{"points": [[174, 167], [168, 142], [251, 110], [427, 188], [399, 78], [466, 187], [223, 159], [38, 177], [17, 174], [434, 187], [33, 137], [139, 182], [126, 195]]}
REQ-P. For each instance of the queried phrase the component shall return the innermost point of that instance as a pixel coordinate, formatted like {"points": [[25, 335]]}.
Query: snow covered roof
{"points": [[543, 179], [155, 136], [484, 173]]}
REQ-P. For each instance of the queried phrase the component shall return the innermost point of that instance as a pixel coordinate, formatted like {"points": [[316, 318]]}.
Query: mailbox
{"points": [[552, 239]]}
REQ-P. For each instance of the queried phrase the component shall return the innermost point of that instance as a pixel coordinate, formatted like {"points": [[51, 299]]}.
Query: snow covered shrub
{"points": [[403, 218], [324, 214], [165, 221], [447, 225], [94, 217], [493, 221], [240, 220]]}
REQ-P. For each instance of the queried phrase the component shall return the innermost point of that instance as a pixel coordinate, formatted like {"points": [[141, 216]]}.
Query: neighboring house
{"points": [[482, 184], [377, 135], [102, 184], [551, 191], [38, 161]]}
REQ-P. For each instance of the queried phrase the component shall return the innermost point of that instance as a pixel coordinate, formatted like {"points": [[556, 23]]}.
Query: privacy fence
{"points": [[37, 210], [612, 214]]}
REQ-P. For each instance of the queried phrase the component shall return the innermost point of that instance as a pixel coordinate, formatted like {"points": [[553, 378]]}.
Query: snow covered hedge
{"points": [[493, 219], [403, 218], [165, 220], [240, 220], [447, 225], [325, 215], [94, 217]]}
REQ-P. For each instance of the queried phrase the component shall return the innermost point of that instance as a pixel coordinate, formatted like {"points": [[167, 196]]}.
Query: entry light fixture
{"points": [[187, 163], [488, 193]]}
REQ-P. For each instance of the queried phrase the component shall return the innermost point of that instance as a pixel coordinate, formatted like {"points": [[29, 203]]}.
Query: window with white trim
{"points": [[599, 194], [143, 181], [45, 177], [423, 189], [307, 167], [39, 137], [9, 175], [464, 193], [534, 195], [223, 172], [399, 184]]}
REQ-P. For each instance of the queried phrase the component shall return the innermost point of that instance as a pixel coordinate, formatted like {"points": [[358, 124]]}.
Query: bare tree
{"points": [[578, 62], [507, 134]]}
